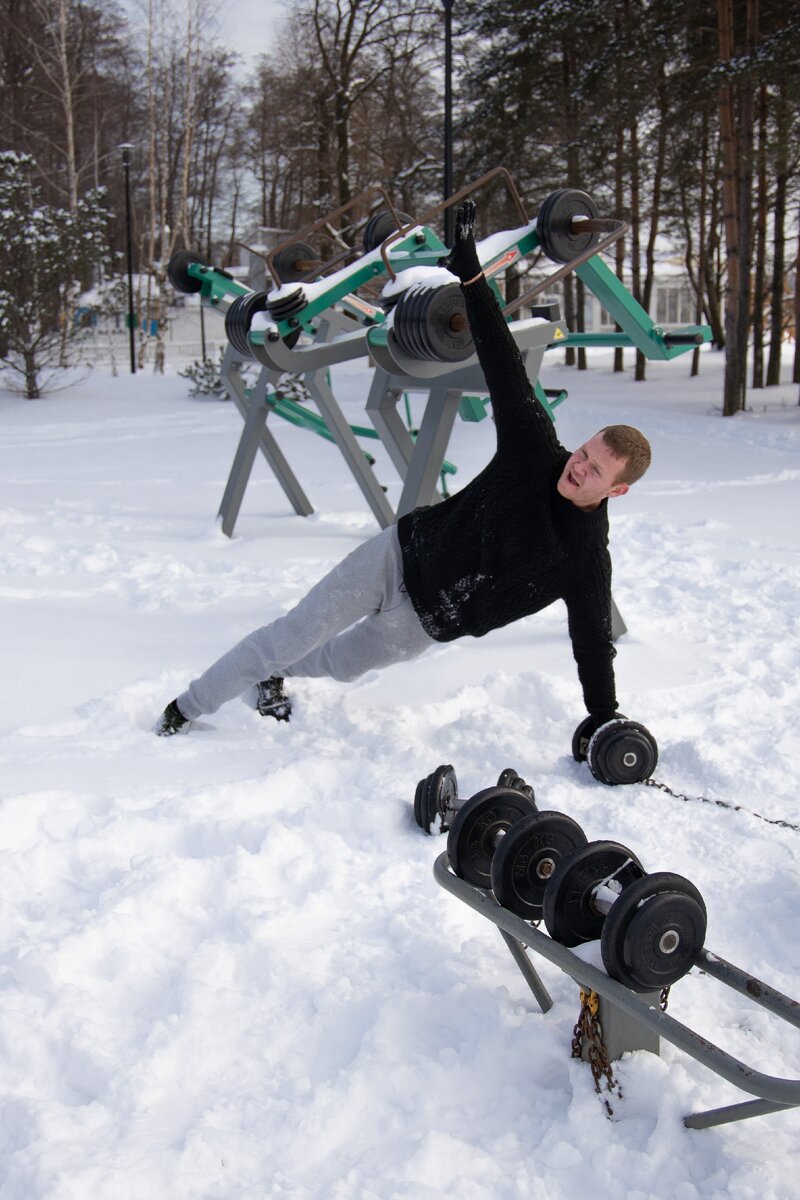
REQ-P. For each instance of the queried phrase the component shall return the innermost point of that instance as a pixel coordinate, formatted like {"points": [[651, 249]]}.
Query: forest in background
{"points": [[682, 118]]}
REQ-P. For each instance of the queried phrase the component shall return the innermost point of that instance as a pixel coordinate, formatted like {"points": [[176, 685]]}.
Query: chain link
{"points": [[589, 1030], [721, 804], [663, 999]]}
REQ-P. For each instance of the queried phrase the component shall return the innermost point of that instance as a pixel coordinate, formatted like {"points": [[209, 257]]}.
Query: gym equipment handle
{"points": [[683, 339]]}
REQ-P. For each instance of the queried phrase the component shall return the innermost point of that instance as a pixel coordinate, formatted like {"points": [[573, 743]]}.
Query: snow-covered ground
{"points": [[227, 970]]}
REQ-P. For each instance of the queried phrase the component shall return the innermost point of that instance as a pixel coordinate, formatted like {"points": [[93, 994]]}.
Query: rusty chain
{"points": [[589, 1030]]}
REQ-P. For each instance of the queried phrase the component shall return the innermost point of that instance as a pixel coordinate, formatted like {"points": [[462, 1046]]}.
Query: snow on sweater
{"points": [[508, 544]]}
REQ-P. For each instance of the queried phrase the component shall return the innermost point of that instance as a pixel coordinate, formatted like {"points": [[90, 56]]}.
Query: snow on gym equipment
{"points": [[414, 331], [514, 865]]}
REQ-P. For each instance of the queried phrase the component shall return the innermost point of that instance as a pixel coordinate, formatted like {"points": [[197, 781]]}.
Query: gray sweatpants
{"points": [[356, 618]]}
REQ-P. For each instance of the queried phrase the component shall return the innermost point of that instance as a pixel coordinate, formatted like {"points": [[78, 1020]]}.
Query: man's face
{"points": [[589, 474]]}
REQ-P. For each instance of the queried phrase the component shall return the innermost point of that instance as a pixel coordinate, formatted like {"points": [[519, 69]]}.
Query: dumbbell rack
{"points": [[774, 1093]]}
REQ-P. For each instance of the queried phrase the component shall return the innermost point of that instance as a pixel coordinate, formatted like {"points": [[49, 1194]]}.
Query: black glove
{"points": [[463, 258]]}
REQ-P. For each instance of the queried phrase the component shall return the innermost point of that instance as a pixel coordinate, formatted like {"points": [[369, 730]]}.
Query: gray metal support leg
{"points": [[362, 472], [255, 436], [543, 997], [384, 396], [429, 450]]}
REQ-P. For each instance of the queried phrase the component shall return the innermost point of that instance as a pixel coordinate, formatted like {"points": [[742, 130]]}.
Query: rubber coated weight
{"points": [[285, 307], [527, 857], [654, 932], [622, 751], [561, 240], [435, 798], [570, 913], [380, 226], [508, 777], [477, 829], [444, 325], [239, 318], [290, 263], [411, 321], [178, 274]]}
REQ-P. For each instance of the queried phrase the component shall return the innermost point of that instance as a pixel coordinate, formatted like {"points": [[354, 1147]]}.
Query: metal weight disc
{"points": [[435, 794], [380, 226], [287, 306], [622, 752], [239, 318], [444, 329], [570, 915], [509, 778], [560, 240], [476, 828], [654, 932], [400, 323], [527, 858], [287, 262], [178, 274], [412, 318]]}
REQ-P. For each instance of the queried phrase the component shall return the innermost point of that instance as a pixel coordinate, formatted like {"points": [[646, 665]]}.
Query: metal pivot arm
{"points": [[653, 341]]}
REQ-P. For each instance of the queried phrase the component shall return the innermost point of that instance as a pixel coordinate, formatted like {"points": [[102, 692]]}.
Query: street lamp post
{"points": [[448, 118], [126, 148]]}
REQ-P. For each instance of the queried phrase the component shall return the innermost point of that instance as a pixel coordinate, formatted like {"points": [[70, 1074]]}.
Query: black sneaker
{"points": [[171, 721], [271, 700]]}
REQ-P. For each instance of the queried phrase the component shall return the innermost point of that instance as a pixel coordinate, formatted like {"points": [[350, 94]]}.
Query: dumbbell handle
{"points": [[603, 897], [580, 224]]}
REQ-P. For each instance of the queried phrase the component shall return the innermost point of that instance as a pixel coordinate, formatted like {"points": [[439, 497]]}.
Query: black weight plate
{"points": [[287, 306], [509, 778], [286, 260], [569, 912], [527, 858], [239, 318], [446, 344], [476, 827], [414, 307], [420, 808], [380, 226], [543, 216], [178, 274], [405, 324], [554, 225], [649, 910], [622, 752], [440, 793]]}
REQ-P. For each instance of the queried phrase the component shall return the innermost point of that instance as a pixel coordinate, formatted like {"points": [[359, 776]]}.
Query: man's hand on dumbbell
{"points": [[617, 750]]}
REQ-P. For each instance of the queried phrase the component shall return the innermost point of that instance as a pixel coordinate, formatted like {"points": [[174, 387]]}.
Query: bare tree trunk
{"points": [[735, 115], [761, 244], [701, 243], [619, 245], [636, 228], [779, 241]]}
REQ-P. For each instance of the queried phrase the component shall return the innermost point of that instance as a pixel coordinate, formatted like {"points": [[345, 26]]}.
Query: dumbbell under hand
{"points": [[498, 839], [436, 796], [619, 751], [651, 927]]}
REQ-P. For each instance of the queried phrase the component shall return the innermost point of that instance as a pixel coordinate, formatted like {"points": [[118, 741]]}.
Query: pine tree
{"points": [[48, 253]]}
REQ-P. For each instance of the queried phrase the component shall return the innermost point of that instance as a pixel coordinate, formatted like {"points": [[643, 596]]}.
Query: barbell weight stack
{"points": [[477, 829], [380, 226], [436, 796], [651, 927], [430, 323], [239, 318], [558, 224], [526, 858], [178, 274]]}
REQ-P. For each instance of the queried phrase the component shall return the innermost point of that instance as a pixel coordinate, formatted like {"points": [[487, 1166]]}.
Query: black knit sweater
{"points": [[508, 544]]}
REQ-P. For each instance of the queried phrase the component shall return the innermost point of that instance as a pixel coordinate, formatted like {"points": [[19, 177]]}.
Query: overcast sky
{"points": [[249, 27]]}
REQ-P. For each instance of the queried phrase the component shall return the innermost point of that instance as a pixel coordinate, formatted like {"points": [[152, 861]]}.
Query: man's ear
{"points": [[619, 489]]}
